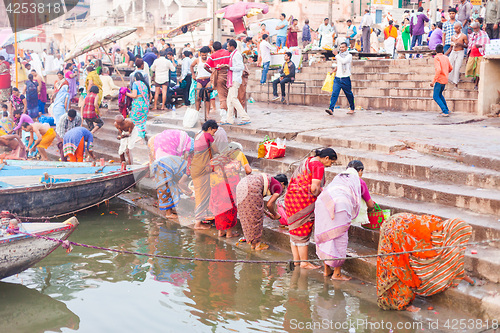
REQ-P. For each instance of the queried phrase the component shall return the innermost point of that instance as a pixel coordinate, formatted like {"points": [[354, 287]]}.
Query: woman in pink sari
{"points": [[335, 208], [170, 142]]}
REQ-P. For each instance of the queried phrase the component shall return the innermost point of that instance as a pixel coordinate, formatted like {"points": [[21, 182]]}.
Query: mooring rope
{"points": [[46, 218], [66, 244]]}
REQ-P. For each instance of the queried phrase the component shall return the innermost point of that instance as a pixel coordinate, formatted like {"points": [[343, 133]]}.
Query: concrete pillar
{"points": [[488, 84]]}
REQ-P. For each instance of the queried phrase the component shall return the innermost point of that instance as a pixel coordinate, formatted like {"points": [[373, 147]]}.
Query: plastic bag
{"points": [[262, 150], [190, 118], [275, 149], [328, 83]]}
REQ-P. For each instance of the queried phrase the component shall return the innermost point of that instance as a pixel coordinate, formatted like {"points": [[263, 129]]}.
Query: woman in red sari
{"points": [[401, 277], [223, 184], [4, 79], [305, 186]]}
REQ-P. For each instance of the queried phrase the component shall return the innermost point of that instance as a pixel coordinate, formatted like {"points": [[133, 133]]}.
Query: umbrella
{"points": [[7, 37], [237, 11], [189, 26], [98, 39]]}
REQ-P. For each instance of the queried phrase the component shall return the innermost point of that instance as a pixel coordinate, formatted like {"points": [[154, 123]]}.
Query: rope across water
{"points": [[67, 243]]}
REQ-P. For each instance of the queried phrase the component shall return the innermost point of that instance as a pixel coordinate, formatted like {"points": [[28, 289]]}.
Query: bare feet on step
{"points": [[308, 265], [201, 226], [340, 277]]}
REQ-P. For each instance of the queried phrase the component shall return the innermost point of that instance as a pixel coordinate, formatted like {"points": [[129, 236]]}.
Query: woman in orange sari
{"points": [[305, 186], [401, 277]]}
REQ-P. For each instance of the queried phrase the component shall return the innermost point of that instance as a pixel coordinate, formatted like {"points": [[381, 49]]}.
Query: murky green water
{"points": [[95, 291]]}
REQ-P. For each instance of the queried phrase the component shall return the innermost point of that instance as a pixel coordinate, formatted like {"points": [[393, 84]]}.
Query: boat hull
{"points": [[48, 200], [22, 252]]}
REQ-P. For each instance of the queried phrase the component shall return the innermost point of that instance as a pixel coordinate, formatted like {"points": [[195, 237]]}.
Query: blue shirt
{"points": [[449, 29], [282, 32], [149, 58], [306, 33]]}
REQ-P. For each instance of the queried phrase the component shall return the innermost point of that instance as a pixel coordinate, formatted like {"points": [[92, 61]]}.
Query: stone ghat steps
{"points": [[471, 302], [356, 68], [313, 87], [484, 265], [395, 103], [451, 194], [316, 80]]}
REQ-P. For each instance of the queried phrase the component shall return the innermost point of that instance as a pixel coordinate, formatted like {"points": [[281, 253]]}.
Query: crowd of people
{"points": [[81, 91]]}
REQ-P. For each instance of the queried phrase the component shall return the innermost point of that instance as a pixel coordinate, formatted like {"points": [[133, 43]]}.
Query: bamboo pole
{"points": [[112, 64]]}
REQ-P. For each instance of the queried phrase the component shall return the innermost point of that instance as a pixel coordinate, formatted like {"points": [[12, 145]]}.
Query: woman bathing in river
{"points": [[305, 186]]}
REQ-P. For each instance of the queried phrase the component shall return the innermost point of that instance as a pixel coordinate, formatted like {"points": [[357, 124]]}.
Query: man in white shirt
{"points": [[161, 72], [265, 53], [186, 75], [342, 79], [325, 32], [58, 62], [366, 26], [109, 88], [234, 80]]}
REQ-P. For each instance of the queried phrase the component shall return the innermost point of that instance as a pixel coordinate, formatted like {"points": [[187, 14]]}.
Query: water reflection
{"points": [[105, 288], [27, 310]]}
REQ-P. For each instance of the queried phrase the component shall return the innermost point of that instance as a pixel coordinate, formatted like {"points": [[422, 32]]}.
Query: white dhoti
{"points": [[456, 60], [128, 142], [389, 45]]}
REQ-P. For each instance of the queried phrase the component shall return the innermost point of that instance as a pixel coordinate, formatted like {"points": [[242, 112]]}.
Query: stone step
{"points": [[412, 93], [395, 103], [404, 164], [317, 81], [373, 69], [477, 200], [324, 136], [407, 164]]}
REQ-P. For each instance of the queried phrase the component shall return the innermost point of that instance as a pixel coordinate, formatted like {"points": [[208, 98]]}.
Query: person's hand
{"points": [[495, 26], [32, 149], [276, 216], [432, 84]]}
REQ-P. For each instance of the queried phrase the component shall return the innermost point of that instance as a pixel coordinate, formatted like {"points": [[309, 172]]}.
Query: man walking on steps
{"points": [[443, 68], [342, 79]]}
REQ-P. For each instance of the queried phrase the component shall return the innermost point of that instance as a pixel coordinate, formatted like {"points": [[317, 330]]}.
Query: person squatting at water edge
{"points": [[250, 194], [305, 187], [401, 277]]}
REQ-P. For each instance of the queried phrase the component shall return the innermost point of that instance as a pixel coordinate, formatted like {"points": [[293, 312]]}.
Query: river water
{"points": [[91, 290]]}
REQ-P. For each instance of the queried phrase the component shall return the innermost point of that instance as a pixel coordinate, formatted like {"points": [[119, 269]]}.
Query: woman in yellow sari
{"points": [[200, 172], [93, 79]]}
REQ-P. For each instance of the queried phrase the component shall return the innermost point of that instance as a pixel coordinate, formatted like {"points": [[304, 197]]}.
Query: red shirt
{"points": [[89, 107], [220, 57]]}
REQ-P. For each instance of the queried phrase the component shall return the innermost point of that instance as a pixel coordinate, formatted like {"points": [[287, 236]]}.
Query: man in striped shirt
{"points": [[216, 65]]}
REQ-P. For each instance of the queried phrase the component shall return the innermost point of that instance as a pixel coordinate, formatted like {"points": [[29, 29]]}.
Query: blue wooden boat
{"points": [[20, 251], [48, 189]]}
